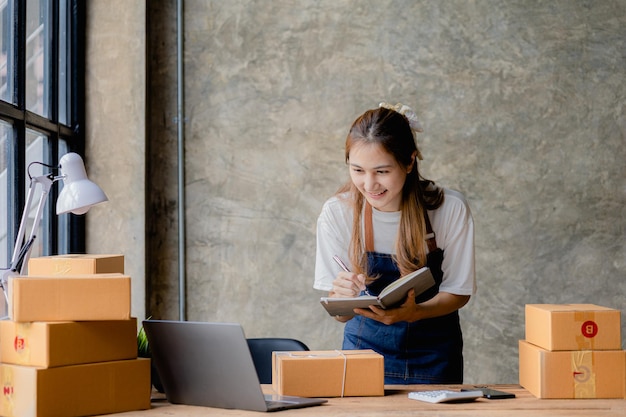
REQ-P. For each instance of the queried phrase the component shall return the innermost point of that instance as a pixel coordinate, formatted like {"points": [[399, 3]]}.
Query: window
{"points": [[41, 99]]}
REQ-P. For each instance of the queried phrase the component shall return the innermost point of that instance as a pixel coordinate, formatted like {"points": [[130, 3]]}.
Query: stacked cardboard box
{"points": [[572, 351], [70, 346]]}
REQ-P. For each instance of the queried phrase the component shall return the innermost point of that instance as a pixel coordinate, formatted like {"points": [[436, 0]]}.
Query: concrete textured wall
{"points": [[524, 111], [116, 134]]}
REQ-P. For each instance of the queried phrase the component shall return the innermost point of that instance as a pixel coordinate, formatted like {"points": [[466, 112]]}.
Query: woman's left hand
{"points": [[441, 304], [408, 311]]}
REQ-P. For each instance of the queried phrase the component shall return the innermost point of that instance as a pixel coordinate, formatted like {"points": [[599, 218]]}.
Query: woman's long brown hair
{"points": [[391, 130]]}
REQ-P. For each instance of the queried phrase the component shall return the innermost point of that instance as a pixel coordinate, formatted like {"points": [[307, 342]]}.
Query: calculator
{"points": [[443, 396]]}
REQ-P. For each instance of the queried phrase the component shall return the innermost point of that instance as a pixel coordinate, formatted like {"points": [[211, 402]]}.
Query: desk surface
{"points": [[396, 403]]}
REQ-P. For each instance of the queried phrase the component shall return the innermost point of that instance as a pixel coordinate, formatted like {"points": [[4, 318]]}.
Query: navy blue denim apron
{"points": [[428, 351]]}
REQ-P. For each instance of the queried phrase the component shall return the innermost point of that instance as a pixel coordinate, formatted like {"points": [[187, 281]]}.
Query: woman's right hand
{"points": [[347, 284]]}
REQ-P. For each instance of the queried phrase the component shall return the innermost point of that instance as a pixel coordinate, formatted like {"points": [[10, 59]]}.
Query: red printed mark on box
{"points": [[19, 343], [582, 374], [589, 329]]}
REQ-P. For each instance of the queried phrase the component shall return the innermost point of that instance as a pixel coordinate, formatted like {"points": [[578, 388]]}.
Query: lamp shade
{"points": [[78, 193]]}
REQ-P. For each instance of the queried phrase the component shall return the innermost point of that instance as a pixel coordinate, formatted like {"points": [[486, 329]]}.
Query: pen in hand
{"points": [[340, 263], [345, 268]]}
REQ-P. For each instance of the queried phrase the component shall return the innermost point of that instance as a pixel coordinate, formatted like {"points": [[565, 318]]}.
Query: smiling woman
{"points": [[377, 175], [389, 221]]}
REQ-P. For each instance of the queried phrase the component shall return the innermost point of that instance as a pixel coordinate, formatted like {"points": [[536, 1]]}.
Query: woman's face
{"points": [[377, 175]]}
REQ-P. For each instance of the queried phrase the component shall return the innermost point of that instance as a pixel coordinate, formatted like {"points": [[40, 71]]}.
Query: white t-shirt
{"points": [[452, 224]]}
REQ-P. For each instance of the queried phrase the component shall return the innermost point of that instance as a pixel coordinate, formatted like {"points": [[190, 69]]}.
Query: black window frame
{"points": [[70, 236]]}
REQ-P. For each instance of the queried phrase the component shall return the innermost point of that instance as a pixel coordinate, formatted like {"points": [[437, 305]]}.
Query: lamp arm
{"points": [[21, 251], [19, 241]]}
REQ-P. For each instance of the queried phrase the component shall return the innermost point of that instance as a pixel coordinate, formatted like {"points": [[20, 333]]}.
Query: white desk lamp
{"points": [[77, 196]]}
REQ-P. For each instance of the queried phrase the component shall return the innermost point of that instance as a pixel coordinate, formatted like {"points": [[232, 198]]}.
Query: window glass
{"points": [[37, 57], [65, 54], [36, 151], [6, 51], [43, 93], [5, 136]]}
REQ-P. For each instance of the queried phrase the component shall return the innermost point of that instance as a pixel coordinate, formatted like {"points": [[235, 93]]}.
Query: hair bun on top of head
{"points": [[411, 117]]}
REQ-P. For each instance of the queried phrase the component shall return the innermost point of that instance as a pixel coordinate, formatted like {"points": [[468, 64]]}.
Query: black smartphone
{"points": [[492, 394]]}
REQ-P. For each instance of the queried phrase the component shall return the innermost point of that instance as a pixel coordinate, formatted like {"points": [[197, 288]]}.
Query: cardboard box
{"points": [[572, 374], [72, 298], [75, 264], [573, 327], [77, 390], [333, 373], [51, 344]]}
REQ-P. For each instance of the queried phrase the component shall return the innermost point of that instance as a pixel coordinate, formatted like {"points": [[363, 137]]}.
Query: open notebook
{"points": [[209, 364]]}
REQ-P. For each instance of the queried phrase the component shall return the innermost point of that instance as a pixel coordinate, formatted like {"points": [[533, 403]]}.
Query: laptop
{"points": [[209, 364]]}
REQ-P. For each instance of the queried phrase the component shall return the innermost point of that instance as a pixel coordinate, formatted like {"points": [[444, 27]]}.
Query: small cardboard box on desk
{"points": [[75, 390], [328, 373], [73, 264], [74, 298], [53, 344], [572, 351], [573, 327]]}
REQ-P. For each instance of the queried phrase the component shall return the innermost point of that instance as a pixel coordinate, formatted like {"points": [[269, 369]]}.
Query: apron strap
{"points": [[369, 231], [430, 235]]}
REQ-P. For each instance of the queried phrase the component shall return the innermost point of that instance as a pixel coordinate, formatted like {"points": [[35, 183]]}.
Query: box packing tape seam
{"points": [[337, 353], [584, 375], [586, 334]]}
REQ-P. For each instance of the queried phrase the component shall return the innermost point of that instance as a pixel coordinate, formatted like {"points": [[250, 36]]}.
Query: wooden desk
{"points": [[396, 403]]}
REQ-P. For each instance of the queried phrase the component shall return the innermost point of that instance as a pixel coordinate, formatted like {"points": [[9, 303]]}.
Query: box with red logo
{"points": [[573, 327], [69, 298], [572, 374], [51, 344], [76, 390], [76, 264]]}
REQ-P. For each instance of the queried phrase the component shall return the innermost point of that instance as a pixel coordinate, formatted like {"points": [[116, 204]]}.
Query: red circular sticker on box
{"points": [[589, 329]]}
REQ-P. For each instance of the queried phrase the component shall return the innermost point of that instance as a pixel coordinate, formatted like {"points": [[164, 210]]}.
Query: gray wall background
{"points": [[524, 111]]}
